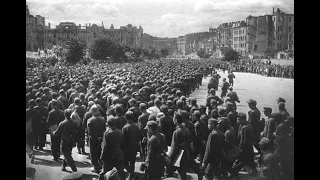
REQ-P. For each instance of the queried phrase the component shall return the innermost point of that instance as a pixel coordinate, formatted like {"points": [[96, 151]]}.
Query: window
{"points": [[289, 19], [274, 19], [280, 37], [234, 39], [289, 28]]}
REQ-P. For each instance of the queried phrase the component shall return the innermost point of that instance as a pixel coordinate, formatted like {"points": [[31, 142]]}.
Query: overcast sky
{"points": [[161, 18]]}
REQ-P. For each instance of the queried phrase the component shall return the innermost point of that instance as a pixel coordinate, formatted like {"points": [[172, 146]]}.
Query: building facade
{"points": [[38, 35], [183, 48], [283, 30], [224, 35], [240, 37]]}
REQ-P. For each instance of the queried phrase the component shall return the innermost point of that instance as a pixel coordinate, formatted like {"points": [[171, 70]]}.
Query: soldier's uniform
{"points": [[96, 126], [67, 130]]}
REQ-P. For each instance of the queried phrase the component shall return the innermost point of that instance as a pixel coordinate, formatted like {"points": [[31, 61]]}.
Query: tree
{"points": [[231, 55], [164, 52], [102, 49], [73, 50], [202, 54], [118, 54]]}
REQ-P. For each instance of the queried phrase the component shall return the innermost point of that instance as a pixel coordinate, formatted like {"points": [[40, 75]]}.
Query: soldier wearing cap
{"points": [[134, 107], [154, 159], [131, 138], [213, 156], [142, 122], [246, 141], [193, 105], [181, 141], [233, 95], [254, 119], [33, 117], [230, 77], [201, 135], [67, 130], [112, 155], [282, 110], [96, 126], [212, 95], [41, 135], [280, 99], [120, 118], [224, 88], [166, 124], [282, 146], [55, 116]]}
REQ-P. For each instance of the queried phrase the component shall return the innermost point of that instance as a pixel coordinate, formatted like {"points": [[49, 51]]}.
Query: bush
{"points": [[231, 55], [73, 50]]}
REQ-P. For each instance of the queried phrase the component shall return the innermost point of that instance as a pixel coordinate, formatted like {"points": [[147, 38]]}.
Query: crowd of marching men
{"points": [[120, 110]]}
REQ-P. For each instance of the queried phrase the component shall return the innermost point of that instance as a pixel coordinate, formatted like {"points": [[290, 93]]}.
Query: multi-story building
{"points": [[240, 37], [224, 34], [183, 48], [35, 28], [283, 30], [40, 36], [165, 43], [208, 45]]}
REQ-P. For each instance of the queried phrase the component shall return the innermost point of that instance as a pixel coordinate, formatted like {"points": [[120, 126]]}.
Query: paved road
{"points": [[263, 89]]}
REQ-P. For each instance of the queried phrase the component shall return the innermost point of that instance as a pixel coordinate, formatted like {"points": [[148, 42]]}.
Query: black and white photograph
{"points": [[159, 90]]}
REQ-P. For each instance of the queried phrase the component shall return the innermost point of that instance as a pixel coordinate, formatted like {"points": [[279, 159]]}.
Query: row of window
{"points": [[242, 45], [241, 31], [241, 38], [279, 19]]}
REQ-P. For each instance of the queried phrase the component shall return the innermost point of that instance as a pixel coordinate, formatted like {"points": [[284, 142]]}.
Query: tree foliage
{"points": [[202, 54], [231, 55], [102, 49], [164, 52], [73, 50]]}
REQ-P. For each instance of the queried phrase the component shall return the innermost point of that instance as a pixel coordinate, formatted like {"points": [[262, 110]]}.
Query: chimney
{"points": [[273, 10], [49, 25]]}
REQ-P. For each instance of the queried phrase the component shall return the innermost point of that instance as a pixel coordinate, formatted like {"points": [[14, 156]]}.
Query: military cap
{"points": [[196, 113], [169, 102], [222, 111], [212, 91], [152, 118], [73, 176], [213, 121], [38, 100], [183, 98], [267, 109], [76, 100], [202, 107], [164, 108], [179, 102], [242, 115], [157, 101], [178, 92], [280, 99], [153, 124], [32, 102], [204, 117], [129, 115], [67, 113], [111, 121], [224, 121], [142, 106], [252, 101], [90, 103]]}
